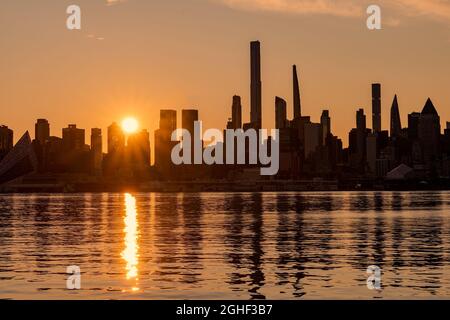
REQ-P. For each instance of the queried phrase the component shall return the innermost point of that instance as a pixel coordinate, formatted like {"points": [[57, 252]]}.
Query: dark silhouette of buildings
{"points": [[97, 150], [325, 121], [163, 143], [20, 160], [396, 124], [73, 138], [256, 85], [429, 134], [116, 139], [42, 131], [376, 107], [188, 119], [138, 145], [308, 149], [6, 141], [236, 119], [280, 113], [296, 92]]}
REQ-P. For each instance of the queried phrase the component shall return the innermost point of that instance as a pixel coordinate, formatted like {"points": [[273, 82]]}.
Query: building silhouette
{"points": [[296, 92], [308, 149], [280, 113], [42, 131], [6, 141], [73, 138], [429, 134], [116, 139], [97, 150], [325, 121], [396, 124], [163, 143], [236, 117], [376, 107], [20, 160], [256, 85]]}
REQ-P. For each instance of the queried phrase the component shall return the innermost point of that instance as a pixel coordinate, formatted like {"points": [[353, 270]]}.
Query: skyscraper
{"points": [[188, 119], [361, 134], [396, 124], [97, 149], [376, 107], [256, 85], [413, 125], [73, 138], [138, 146], [312, 138], [429, 132], [6, 141], [280, 113], [236, 113], [325, 121], [116, 138], [297, 102], [163, 143], [19, 161], [42, 131]]}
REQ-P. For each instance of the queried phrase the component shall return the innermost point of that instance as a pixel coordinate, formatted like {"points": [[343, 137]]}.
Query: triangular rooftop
{"points": [[429, 108]]}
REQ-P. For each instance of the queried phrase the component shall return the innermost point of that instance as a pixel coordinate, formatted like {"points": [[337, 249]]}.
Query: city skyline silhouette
{"points": [[159, 55]]}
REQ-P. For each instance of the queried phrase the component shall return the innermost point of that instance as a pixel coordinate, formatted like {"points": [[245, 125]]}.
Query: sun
{"points": [[130, 125]]}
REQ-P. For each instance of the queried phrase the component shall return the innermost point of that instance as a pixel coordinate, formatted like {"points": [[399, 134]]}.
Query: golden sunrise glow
{"points": [[130, 125], [130, 253]]}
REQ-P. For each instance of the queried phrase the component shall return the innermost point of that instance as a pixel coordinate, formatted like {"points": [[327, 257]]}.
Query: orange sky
{"points": [[135, 57]]}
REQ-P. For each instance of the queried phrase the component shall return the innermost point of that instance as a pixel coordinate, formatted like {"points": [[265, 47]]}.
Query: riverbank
{"points": [[76, 186]]}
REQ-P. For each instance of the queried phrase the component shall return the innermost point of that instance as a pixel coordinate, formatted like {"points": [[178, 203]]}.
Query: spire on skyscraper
{"points": [[297, 102], [396, 125]]}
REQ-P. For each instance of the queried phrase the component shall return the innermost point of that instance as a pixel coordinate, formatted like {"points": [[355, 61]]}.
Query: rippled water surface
{"points": [[225, 245]]}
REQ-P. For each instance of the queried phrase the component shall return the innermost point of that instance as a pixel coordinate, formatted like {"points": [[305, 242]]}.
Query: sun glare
{"points": [[130, 125]]}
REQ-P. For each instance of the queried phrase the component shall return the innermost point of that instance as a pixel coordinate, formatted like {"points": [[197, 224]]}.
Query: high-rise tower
{"points": [[255, 86], [325, 121], [236, 113], [42, 131], [297, 103], [376, 107], [280, 113], [396, 125]]}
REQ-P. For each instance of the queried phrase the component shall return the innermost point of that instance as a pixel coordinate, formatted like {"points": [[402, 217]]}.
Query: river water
{"points": [[225, 245]]}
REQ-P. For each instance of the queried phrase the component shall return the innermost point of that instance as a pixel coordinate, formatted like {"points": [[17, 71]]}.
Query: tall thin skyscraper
{"points": [[236, 113], [42, 131], [97, 149], [361, 134], [280, 113], [297, 102], [396, 125], [255, 86], [325, 121], [376, 107]]}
